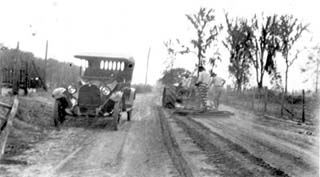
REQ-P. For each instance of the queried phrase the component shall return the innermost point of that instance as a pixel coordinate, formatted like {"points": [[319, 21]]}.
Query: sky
{"points": [[132, 27]]}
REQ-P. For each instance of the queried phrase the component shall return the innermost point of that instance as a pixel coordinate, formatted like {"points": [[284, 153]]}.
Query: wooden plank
{"points": [[5, 105], [5, 133]]}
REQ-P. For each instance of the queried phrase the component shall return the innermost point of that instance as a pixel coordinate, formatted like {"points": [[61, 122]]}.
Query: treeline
{"points": [[252, 43], [56, 73]]}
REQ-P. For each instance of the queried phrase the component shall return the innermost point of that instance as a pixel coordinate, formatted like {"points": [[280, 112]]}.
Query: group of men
{"points": [[209, 85]]}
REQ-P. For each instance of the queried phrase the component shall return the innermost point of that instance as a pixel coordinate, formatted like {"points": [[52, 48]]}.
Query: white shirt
{"points": [[217, 82], [204, 77], [186, 82]]}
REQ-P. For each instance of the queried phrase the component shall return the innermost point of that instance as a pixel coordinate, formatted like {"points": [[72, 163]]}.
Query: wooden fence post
{"points": [[8, 124], [252, 100], [292, 105], [265, 98], [303, 106], [282, 102]]}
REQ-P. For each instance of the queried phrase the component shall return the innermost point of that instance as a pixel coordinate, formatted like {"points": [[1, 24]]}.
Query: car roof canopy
{"points": [[105, 56]]}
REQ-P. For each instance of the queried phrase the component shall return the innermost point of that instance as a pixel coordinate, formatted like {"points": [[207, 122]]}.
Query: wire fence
{"points": [[296, 106]]}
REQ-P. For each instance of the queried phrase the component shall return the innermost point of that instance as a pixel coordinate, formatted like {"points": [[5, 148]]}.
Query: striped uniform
{"points": [[204, 80]]}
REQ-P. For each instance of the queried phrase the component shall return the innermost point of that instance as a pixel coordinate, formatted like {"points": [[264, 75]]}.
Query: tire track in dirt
{"points": [[222, 151], [102, 155], [145, 152], [276, 153], [173, 147]]}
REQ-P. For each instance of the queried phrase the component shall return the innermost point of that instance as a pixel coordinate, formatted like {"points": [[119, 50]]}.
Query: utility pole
{"points": [[145, 83], [16, 72], [45, 66], [317, 74], [1, 71]]}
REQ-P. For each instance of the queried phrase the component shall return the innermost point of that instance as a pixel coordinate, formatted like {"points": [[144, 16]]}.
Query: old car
{"points": [[104, 90]]}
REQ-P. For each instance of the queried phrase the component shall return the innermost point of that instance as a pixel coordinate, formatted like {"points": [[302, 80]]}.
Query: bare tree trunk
{"points": [[199, 59], [286, 80], [238, 85], [260, 82]]}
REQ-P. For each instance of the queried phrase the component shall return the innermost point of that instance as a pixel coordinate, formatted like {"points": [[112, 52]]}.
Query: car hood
{"points": [[99, 83]]}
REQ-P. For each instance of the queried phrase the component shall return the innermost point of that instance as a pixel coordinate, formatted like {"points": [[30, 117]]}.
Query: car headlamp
{"points": [[72, 89], [105, 90]]}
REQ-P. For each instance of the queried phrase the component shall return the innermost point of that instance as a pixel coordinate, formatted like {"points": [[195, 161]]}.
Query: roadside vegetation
{"points": [[256, 45]]}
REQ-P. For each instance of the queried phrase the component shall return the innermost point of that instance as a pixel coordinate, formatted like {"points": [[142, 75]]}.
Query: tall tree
{"points": [[174, 47], [266, 44], [239, 43], [312, 65], [289, 31], [206, 30]]}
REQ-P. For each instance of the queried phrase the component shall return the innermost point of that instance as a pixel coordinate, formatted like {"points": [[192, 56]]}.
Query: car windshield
{"points": [[103, 68]]}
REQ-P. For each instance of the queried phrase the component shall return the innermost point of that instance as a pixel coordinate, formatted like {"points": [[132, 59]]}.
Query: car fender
{"points": [[59, 93], [116, 96], [132, 96]]}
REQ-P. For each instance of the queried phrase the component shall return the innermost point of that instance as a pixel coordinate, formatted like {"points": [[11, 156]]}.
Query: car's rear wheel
{"points": [[129, 114], [169, 98], [58, 113]]}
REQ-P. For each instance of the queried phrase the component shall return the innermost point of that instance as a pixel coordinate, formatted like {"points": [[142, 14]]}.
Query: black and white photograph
{"points": [[150, 88]]}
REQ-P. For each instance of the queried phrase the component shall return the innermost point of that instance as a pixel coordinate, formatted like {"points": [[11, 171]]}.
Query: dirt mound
{"points": [[31, 124]]}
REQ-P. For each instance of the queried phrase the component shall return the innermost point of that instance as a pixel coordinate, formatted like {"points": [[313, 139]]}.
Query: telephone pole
{"points": [[45, 66], [145, 83], [16, 72]]}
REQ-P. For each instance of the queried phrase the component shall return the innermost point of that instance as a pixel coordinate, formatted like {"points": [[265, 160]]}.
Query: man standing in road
{"points": [[203, 83], [216, 87]]}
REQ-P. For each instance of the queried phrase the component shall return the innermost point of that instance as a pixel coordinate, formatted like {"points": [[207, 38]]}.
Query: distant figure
{"points": [[216, 88], [186, 81], [203, 85], [186, 84]]}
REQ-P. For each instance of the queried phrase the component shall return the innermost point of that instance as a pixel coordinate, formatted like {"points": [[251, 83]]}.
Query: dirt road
{"points": [[245, 145], [92, 148], [159, 142]]}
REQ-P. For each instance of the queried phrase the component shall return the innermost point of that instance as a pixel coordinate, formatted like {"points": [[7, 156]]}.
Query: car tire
{"points": [[116, 115], [129, 114], [169, 98], [58, 113]]}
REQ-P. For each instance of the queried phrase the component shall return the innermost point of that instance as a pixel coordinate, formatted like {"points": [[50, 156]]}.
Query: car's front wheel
{"points": [[116, 114], [58, 113]]}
